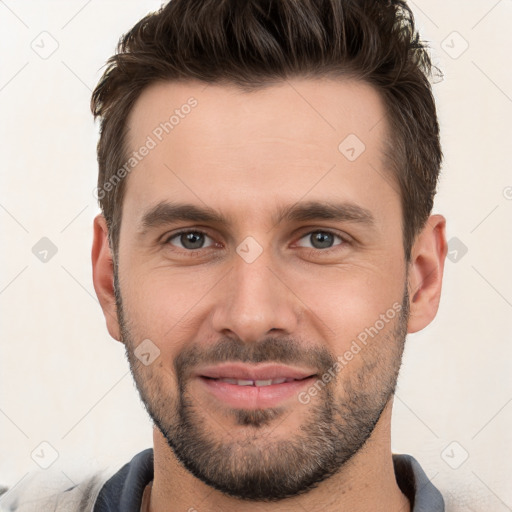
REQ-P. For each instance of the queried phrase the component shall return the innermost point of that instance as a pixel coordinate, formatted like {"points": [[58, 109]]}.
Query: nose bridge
{"points": [[254, 300]]}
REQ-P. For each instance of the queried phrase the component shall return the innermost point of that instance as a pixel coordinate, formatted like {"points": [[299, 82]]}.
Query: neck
{"points": [[365, 483]]}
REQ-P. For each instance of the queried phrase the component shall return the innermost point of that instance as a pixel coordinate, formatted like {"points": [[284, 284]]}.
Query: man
{"points": [[266, 177]]}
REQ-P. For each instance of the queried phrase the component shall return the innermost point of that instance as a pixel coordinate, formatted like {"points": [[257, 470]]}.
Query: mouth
{"points": [[257, 383], [250, 375], [254, 387]]}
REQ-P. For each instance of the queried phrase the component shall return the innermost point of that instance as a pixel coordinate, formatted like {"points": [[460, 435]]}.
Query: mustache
{"points": [[269, 350]]}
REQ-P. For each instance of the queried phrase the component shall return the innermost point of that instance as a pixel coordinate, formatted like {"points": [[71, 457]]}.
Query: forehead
{"points": [[229, 148], [305, 110]]}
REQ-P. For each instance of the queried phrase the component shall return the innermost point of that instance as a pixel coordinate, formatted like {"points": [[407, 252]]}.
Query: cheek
{"points": [[349, 300], [159, 304]]}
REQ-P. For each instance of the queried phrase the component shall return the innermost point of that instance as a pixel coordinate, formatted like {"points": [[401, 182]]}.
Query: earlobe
{"points": [[426, 273], [103, 275]]}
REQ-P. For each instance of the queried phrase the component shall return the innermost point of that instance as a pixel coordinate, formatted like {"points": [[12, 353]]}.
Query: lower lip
{"points": [[254, 397]]}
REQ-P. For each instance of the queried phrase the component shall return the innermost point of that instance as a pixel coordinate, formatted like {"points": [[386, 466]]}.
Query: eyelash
{"points": [[344, 241]]}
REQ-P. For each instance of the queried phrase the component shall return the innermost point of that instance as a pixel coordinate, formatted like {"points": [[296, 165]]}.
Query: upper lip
{"points": [[241, 371]]}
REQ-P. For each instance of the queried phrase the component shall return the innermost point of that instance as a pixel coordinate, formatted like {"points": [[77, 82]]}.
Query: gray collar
{"points": [[414, 483]]}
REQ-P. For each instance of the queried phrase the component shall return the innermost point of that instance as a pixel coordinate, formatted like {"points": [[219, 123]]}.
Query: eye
{"points": [[321, 239], [190, 240]]}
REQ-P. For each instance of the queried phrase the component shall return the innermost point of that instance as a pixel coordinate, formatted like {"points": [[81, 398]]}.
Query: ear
{"points": [[426, 273], [103, 275]]}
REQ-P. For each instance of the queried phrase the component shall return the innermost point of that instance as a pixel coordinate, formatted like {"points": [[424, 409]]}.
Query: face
{"points": [[259, 244]]}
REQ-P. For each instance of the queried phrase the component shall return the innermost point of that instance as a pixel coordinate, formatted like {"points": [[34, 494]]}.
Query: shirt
{"points": [[123, 491]]}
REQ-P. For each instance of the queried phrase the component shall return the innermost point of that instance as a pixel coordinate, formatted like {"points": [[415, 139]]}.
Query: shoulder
{"points": [[102, 491], [43, 491]]}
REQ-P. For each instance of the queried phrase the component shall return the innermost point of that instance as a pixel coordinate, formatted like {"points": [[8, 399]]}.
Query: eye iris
{"points": [[195, 240], [321, 240], [192, 240]]}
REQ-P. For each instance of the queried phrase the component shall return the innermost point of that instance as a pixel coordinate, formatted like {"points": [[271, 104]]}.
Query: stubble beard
{"points": [[258, 466]]}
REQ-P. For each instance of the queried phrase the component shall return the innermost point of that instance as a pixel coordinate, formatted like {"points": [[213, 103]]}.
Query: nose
{"points": [[254, 300]]}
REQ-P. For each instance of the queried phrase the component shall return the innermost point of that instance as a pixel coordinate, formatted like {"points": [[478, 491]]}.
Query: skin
{"points": [[245, 155]]}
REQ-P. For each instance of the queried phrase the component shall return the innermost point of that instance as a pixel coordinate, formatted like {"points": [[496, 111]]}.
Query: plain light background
{"points": [[65, 382]]}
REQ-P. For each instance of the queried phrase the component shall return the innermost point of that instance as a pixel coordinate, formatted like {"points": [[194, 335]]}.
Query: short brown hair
{"points": [[252, 43]]}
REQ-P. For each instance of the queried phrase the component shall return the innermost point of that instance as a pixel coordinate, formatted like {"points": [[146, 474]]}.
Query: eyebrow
{"points": [[312, 210], [165, 213]]}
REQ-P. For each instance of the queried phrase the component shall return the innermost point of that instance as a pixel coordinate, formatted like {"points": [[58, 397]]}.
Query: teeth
{"points": [[255, 382], [263, 382], [244, 382]]}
